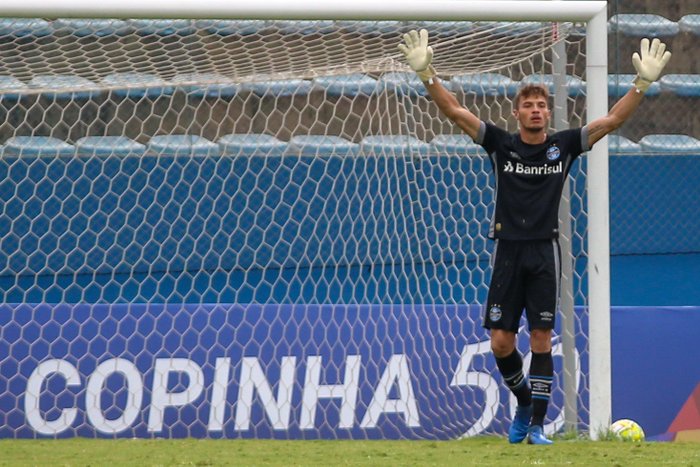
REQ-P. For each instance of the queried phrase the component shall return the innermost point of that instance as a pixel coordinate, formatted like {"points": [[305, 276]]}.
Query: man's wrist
{"points": [[641, 84], [427, 75]]}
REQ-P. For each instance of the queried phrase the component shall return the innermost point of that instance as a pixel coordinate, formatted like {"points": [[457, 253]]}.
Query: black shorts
{"points": [[526, 275]]}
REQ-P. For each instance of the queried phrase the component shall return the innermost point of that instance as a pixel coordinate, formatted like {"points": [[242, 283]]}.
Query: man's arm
{"points": [[618, 114], [649, 65], [448, 105], [419, 56]]}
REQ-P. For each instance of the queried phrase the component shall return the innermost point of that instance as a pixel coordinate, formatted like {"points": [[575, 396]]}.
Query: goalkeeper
{"points": [[531, 167]]}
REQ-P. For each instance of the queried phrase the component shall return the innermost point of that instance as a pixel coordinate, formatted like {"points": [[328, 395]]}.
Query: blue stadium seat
{"points": [[83, 27], [321, 145], [620, 145], [251, 145], [279, 88], [23, 27], [485, 84], [11, 87], [182, 145], [643, 25], [619, 84], [393, 145], [108, 146], [137, 85], [304, 27], [347, 85], [370, 28], [670, 144], [510, 29], [218, 85], [64, 86], [229, 27], [681, 85], [407, 84], [690, 23], [455, 145], [574, 86], [576, 29], [34, 146], [447, 29], [162, 27]]}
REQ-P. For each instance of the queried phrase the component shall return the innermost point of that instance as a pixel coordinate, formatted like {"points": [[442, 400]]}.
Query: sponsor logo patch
{"points": [[522, 169], [538, 387]]}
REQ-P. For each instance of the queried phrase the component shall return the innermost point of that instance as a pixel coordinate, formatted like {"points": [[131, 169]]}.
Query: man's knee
{"points": [[502, 342], [541, 340]]}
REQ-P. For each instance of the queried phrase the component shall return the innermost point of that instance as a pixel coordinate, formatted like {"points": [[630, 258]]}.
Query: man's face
{"points": [[532, 113]]}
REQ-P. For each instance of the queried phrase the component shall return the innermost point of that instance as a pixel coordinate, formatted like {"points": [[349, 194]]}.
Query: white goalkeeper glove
{"points": [[649, 66], [418, 54]]}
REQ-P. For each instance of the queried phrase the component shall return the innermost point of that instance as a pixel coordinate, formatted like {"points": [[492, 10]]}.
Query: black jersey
{"points": [[529, 180]]}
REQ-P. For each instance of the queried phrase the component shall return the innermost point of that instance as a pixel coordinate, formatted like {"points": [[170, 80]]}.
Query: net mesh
{"points": [[258, 228], [241, 51]]}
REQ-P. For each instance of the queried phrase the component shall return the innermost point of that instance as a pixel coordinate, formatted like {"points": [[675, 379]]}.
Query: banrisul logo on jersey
{"points": [[522, 169]]}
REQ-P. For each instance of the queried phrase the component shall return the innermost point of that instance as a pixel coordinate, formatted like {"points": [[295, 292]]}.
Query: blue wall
{"points": [[240, 223], [80, 229], [655, 204], [654, 225]]}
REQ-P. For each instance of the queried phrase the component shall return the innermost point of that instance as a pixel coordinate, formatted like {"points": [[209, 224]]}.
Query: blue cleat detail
{"points": [[535, 435], [521, 422]]}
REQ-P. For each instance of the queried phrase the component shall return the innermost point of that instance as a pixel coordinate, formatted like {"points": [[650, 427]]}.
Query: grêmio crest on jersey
{"points": [[553, 153]]}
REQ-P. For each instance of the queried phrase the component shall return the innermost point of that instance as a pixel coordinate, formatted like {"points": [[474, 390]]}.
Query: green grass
{"points": [[474, 451]]}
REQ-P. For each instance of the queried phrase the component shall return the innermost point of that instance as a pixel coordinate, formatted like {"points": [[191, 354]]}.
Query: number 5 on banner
{"points": [[481, 380]]}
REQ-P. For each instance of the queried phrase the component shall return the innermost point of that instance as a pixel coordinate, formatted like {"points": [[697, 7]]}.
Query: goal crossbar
{"points": [[437, 10]]}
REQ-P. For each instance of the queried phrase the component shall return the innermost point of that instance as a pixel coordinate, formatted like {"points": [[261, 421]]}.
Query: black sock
{"points": [[541, 375], [511, 368]]}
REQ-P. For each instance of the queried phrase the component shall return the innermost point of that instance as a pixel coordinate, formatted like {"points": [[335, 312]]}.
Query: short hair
{"points": [[530, 90]]}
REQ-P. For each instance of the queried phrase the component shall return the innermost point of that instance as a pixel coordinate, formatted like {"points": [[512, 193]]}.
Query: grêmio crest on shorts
{"points": [[529, 180]]}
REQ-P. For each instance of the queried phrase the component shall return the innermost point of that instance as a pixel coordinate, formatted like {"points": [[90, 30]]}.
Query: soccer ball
{"points": [[627, 430]]}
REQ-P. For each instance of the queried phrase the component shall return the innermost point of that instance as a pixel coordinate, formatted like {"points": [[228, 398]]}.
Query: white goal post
{"points": [[593, 13], [438, 10]]}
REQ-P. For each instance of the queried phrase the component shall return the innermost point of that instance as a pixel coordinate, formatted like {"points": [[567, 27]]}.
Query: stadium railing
{"points": [[307, 145], [620, 83], [670, 144], [321, 145], [108, 146], [643, 25], [690, 23], [181, 145], [393, 145]]}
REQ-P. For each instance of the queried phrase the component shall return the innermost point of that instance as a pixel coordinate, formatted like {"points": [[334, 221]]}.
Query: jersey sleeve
{"points": [[584, 140], [489, 136], [575, 140]]}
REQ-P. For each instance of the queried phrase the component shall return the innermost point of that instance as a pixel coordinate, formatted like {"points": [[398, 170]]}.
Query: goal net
{"points": [[264, 228]]}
